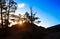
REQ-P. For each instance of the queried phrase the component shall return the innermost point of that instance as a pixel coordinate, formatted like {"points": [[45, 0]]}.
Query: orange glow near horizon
{"points": [[20, 22], [13, 23]]}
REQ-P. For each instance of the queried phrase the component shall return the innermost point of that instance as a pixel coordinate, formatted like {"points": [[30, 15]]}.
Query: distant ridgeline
{"points": [[53, 32], [32, 31], [55, 28]]}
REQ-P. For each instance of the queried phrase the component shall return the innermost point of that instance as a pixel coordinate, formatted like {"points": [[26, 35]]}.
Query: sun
{"points": [[20, 22]]}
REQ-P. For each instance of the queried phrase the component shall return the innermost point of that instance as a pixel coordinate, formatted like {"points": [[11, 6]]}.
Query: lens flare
{"points": [[13, 23], [24, 21], [0, 21], [20, 22]]}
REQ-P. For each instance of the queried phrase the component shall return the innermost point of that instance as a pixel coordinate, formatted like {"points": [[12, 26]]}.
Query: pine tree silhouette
{"points": [[31, 17], [8, 6]]}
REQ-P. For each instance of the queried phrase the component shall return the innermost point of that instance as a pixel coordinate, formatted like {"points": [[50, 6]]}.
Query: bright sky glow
{"points": [[47, 10]]}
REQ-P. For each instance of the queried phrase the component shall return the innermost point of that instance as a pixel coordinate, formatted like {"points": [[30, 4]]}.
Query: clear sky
{"points": [[47, 10]]}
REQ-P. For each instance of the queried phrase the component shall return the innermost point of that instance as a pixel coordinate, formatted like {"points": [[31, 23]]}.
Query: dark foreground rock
{"points": [[53, 32], [26, 31]]}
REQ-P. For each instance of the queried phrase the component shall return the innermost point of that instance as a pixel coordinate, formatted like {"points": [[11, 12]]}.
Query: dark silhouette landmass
{"points": [[26, 31], [53, 32], [30, 31]]}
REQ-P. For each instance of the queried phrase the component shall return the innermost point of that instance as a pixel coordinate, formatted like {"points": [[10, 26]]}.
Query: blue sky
{"points": [[47, 10]]}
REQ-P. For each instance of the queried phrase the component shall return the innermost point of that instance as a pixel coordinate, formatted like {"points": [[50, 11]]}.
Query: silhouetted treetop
{"points": [[32, 18]]}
